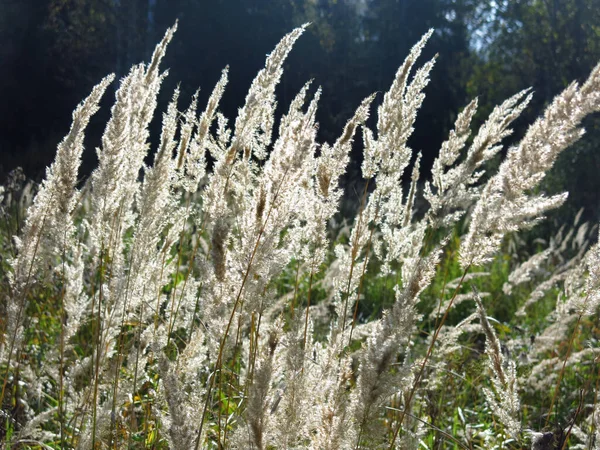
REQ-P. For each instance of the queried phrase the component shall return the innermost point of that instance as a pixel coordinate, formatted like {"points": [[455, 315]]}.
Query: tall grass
{"points": [[173, 306]]}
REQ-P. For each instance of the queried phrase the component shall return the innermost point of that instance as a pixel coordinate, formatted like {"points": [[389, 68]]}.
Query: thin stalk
{"points": [[597, 392], [427, 356], [193, 319], [443, 293], [293, 306], [354, 253], [582, 393], [9, 233], [85, 399], [120, 353], [577, 412], [433, 427], [189, 271], [22, 307], [62, 349], [185, 280], [199, 234], [225, 334], [362, 277], [97, 326], [251, 342], [135, 377], [306, 317], [564, 365], [362, 428], [230, 384], [179, 253], [99, 330], [162, 268], [254, 335], [233, 311]]}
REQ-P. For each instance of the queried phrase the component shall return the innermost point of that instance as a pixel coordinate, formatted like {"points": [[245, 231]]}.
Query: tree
{"points": [[543, 44]]}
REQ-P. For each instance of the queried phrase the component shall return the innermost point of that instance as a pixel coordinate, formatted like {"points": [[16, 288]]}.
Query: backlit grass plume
{"points": [[204, 301]]}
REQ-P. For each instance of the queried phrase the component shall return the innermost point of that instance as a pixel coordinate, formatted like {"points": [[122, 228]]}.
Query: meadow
{"points": [[216, 299]]}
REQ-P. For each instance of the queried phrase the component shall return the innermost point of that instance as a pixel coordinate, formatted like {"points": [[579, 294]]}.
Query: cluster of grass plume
{"points": [[174, 305]]}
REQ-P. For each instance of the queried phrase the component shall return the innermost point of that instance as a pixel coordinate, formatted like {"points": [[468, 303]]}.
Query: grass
{"points": [[219, 309], [455, 409]]}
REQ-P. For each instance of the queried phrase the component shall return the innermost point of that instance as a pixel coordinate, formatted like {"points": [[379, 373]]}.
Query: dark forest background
{"points": [[54, 51]]}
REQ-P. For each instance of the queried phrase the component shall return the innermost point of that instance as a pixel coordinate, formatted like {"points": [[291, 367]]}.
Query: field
{"points": [[217, 299]]}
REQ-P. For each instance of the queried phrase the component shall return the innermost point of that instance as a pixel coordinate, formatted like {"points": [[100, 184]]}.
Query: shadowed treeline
{"points": [[55, 50]]}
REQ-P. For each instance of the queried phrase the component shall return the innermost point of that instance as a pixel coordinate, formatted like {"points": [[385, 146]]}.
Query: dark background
{"points": [[54, 51]]}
